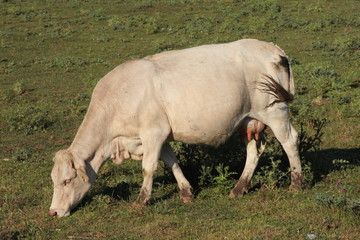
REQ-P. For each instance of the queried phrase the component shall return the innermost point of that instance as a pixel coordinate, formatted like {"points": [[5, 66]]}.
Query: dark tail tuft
{"points": [[275, 89]]}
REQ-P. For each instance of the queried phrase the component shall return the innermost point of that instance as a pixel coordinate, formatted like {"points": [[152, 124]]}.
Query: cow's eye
{"points": [[67, 182]]}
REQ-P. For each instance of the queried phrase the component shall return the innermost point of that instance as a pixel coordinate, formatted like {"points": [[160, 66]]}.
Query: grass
{"points": [[52, 54]]}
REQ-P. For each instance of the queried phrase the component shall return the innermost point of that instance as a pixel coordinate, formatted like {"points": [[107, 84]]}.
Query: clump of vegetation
{"points": [[69, 63], [22, 154], [221, 167], [342, 46], [341, 200], [30, 119], [270, 175], [224, 177], [208, 166], [19, 88], [8, 95]]}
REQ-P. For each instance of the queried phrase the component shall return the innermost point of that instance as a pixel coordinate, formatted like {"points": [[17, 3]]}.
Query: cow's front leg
{"points": [[149, 164], [169, 158], [254, 149], [152, 141]]}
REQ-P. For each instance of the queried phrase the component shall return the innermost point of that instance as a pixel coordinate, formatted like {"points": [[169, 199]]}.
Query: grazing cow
{"points": [[199, 95]]}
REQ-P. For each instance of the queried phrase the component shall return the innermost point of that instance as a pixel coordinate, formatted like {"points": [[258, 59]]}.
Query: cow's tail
{"points": [[274, 88], [283, 89]]}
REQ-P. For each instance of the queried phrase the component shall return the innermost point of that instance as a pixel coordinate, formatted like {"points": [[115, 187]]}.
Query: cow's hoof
{"points": [[138, 205], [186, 195], [234, 193], [143, 198], [295, 188], [187, 199], [296, 182]]}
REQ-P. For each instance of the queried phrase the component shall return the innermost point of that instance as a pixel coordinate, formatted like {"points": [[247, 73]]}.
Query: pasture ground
{"points": [[53, 53]]}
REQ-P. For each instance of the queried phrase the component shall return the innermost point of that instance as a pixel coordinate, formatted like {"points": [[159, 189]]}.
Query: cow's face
{"points": [[70, 184]]}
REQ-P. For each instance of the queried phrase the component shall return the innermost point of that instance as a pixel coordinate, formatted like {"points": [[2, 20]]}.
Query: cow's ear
{"points": [[81, 171]]}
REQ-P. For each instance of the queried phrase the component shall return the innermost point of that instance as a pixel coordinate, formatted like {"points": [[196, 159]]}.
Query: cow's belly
{"points": [[206, 113], [202, 131]]}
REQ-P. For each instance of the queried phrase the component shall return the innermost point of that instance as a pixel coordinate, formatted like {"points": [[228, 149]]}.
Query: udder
{"points": [[253, 129], [125, 148]]}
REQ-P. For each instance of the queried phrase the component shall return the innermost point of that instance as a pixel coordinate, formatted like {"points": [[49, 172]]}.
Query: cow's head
{"points": [[71, 182]]}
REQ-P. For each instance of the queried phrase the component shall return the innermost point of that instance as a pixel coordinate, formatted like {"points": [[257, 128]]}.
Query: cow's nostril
{"points": [[52, 213]]}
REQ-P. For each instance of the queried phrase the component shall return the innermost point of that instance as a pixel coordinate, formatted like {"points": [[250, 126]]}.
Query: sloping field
{"points": [[52, 53]]}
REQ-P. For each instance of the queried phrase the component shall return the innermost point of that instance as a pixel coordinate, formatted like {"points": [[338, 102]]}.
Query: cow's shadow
{"points": [[328, 160], [127, 192], [322, 163]]}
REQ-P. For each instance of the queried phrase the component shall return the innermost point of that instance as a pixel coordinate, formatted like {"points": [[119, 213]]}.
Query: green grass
{"points": [[53, 53]]}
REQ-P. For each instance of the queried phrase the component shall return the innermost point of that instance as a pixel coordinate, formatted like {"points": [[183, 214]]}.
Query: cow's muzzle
{"points": [[58, 213]]}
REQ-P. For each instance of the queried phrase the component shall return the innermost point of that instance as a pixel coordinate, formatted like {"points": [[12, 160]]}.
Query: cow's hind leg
{"points": [[284, 131], [254, 149], [169, 158]]}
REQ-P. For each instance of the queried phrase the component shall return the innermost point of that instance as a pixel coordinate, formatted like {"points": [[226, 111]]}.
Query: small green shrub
{"points": [[340, 163], [99, 14], [99, 202], [345, 43], [293, 22], [30, 119], [324, 80], [318, 26], [154, 25], [231, 24], [310, 139], [19, 88], [164, 45], [55, 30], [224, 178], [261, 6], [345, 46], [69, 63], [270, 176], [65, 62], [206, 166], [339, 199], [312, 142], [144, 4], [8, 95], [101, 39], [319, 44], [140, 22], [205, 175], [79, 104], [22, 154], [90, 83]]}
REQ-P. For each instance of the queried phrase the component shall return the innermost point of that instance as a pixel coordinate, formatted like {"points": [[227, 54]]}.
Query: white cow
{"points": [[199, 95]]}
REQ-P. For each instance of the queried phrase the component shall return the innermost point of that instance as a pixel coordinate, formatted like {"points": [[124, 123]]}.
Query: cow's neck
{"points": [[91, 138]]}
